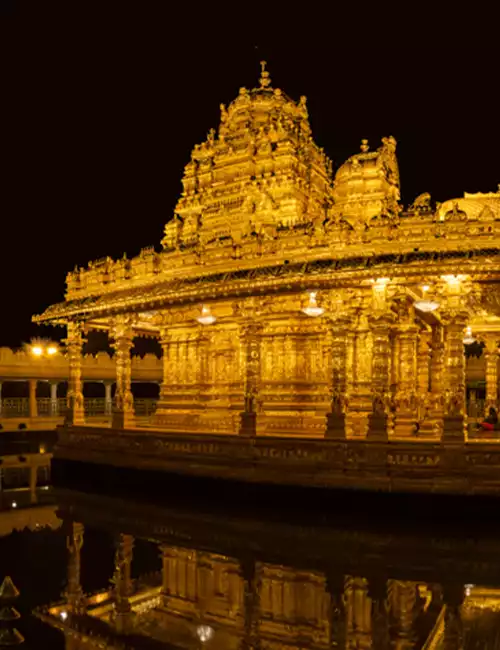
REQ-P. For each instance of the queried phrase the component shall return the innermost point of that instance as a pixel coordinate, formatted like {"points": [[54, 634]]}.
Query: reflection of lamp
{"points": [[206, 318], [424, 304], [204, 633], [468, 338], [312, 308]]}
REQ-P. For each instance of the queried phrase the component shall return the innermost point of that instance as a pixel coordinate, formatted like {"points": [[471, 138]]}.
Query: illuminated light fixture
{"points": [[468, 338], [204, 633], [206, 318], [51, 350], [312, 308], [453, 279], [37, 350], [63, 615], [468, 589], [425, 305], [381, 282], [14, 504]]}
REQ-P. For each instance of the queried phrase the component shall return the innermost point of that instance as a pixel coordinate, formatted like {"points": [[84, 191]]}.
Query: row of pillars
{"points": [[349, 621], [32, 399]]}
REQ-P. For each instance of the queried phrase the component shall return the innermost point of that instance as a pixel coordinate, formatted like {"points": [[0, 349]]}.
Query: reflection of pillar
{"points": [[250, 343], [453, 630], [250, 604], [337, 615], [377, 590], [33, 479], [123, 415], [33, 408], [1, 406], [403, 602], [358, 605], [123, 582], [108, 399], [491, 357], [53, 398], [74, 344], [74, 592]]}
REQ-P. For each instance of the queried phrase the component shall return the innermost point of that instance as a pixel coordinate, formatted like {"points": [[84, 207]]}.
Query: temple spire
{"points": [[265, 77]]}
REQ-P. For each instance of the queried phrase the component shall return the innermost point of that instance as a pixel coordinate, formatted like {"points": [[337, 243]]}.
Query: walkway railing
{"points": [[15, 407]]}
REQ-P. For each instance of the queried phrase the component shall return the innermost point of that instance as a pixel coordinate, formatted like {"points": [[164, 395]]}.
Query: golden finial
{"points": [[364, 146], [265, 78]]}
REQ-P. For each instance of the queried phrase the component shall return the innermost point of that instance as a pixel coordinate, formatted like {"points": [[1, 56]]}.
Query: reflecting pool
{"points": [[198, 565]]}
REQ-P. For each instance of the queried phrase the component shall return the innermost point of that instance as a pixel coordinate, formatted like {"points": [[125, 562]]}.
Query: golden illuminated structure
{"points": [[284, 586], [292, 302]]}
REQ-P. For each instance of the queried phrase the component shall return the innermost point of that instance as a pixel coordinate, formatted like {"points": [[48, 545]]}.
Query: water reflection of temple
{"points": [[230, 584]]}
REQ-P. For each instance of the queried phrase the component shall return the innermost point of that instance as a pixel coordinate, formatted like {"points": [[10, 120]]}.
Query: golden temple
{"points": [[293, 302]]}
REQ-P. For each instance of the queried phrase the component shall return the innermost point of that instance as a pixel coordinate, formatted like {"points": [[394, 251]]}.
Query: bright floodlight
{"points": [[206, 318], [51, 350], [312, 308], [37, 350]]}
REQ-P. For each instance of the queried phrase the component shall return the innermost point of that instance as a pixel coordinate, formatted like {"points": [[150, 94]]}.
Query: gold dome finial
{"points": [[364, 146], [265, 78]]}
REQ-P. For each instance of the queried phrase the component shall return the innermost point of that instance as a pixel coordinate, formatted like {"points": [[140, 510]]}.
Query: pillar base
{"points": [[122, 420], [405, 425], [248, 424], [124, 622], [378, 427], [335, 426], [453, 428], [74, 417]]}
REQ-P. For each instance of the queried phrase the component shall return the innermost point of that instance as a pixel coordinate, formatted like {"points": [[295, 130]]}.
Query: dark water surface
{"points": [[221, 565]]}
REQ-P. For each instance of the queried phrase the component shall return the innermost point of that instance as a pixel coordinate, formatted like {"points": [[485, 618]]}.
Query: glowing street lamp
{"points": [[40, 348]]}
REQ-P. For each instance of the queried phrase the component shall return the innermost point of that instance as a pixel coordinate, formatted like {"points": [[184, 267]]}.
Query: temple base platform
{"points": [[450, 466]]}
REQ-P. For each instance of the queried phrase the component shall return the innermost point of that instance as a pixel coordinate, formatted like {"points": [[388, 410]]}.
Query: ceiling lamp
{"points": [[312, 308], [424, 304], [468, 338], [206, 317]]}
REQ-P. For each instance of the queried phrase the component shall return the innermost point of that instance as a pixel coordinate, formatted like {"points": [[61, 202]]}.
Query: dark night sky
{"points": [[102, 103]]}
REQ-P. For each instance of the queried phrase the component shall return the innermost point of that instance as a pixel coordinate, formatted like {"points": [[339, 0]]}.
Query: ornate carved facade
{"points": [[290, 301]]}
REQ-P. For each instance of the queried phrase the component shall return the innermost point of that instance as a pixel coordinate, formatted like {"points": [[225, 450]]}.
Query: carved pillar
{"points": [[359, 397], [123, 582], [453, 638], [75, 404], [335, 584], [424, 374], [455, 419], [74, 592], [491, 357], [250, 343], [123, 415], [405, 398], [381, 375], [33, 407], [108, 398], [432, 424], [53, 398], [337, 366]]}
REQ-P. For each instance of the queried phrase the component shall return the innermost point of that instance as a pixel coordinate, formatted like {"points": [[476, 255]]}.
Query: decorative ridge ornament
{"points": [[265, 77], [312, 308]]}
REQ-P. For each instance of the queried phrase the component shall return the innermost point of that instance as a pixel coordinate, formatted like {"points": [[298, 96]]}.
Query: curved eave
{"points": [[319, 274]]}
